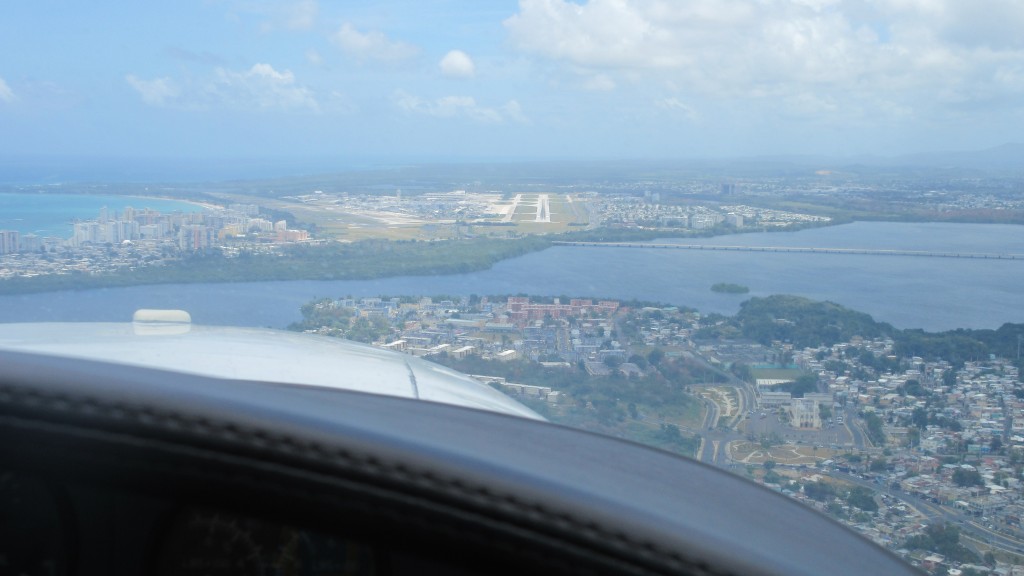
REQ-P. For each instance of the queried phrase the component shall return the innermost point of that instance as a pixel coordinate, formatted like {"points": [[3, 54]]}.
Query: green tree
{"points": [[670, 433], [949, 378], [804, 322], [963, 477], [742, 371], [819, 491], [913, 437], [913, 388], [996, 445], [875, 431], [944, 539], [612, 361], [639, 360], [802, 385], [862, 498], [919, 417]]}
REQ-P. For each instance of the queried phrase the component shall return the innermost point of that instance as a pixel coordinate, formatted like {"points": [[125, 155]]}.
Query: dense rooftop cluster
{"points": [[937, 443]]}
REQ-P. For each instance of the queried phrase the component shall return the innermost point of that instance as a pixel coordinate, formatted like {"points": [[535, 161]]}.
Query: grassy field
{"points": [[690, 416]]}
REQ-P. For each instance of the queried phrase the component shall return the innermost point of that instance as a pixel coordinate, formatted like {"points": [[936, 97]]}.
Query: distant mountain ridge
{"points": [[1009, 156], [1005, 160]]}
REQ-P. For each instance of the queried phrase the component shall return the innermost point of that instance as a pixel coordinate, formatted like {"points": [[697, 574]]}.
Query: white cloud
{"points": [[258, 88], [373, 45], [155, 92], [457, 64], [313, 57], [262, 87], [814, 54], [6, 94], [460, 107], [600, 33], [513, 111], [806, 103], [599, 83], [301, 15]]}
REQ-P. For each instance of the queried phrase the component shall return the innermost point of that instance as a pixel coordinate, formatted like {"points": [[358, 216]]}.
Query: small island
{"points": [[728, 288]]}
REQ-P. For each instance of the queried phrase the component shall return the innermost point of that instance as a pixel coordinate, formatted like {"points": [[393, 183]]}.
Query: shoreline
{"points": [[201, 204], [136, 201]]}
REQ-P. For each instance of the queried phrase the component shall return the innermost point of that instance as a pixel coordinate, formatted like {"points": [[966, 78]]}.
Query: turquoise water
{"points": [[908, 292], [53, 214]]}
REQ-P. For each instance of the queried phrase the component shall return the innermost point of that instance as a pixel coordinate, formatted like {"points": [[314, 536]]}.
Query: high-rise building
{"points": [[195, 237], [86, 232], [8, 241], [30, 243]]}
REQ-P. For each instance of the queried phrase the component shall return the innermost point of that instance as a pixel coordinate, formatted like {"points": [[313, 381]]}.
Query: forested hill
{"points": [[958, 346], [803, 322]]}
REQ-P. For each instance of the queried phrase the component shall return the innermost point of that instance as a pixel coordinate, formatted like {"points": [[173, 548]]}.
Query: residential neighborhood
{"points": [[927, 441], [133, 239]]}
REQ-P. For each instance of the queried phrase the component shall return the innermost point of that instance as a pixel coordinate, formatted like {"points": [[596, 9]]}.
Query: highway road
{"points": [[935, 512], [852, 424]]}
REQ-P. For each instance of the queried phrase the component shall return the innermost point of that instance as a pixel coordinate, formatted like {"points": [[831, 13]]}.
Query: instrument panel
{"points": [[212, 543], [34, 528], [55, 529]]}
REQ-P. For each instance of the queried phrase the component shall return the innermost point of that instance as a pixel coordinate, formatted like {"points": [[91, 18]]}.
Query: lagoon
{"points": [[906, 291]]}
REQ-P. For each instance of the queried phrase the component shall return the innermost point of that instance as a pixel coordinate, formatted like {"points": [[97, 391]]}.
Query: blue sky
{"points": [[500, 79]]}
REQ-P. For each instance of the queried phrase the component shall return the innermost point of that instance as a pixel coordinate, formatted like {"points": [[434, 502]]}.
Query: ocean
{"points": [[53, 214]]}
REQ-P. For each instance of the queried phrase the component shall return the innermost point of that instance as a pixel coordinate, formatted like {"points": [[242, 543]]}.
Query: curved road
{"points": [[938, 512]]}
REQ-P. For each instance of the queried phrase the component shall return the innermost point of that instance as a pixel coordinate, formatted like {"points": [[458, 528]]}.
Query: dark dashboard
{"points": [[112, 469], [64, 528]]}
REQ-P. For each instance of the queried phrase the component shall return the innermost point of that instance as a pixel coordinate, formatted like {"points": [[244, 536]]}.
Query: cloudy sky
{"points": [[460, 79]]}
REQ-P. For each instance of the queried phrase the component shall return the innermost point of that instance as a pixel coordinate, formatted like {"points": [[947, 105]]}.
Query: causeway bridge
{"points": [[795, 249]]}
